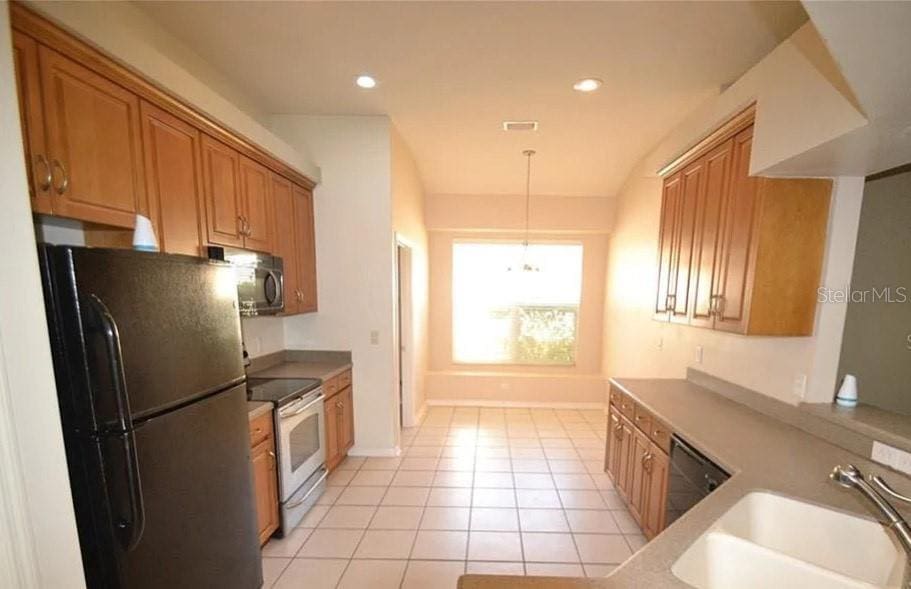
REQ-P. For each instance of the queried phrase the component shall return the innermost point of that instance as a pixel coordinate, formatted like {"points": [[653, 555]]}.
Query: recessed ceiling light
{"points": [[587, 85], [366, 81]]}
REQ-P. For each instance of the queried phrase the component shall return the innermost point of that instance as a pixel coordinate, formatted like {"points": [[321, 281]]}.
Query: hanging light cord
{"points": [[527, 153]]}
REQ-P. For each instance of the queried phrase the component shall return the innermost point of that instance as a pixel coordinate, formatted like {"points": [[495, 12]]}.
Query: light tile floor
{"points": [[478, 490]]}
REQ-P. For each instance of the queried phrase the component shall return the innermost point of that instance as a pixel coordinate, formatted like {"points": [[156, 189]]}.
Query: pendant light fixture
{"points": [[526, 265]]}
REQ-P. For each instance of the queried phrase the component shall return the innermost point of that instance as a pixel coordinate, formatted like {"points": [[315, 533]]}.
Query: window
{"points": [[503, 313]]}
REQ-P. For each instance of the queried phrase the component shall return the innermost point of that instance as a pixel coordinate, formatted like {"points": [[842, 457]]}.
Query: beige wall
{"points": [[578, 220], [354, 252], [408, 225], [38, 542], [798, 108]]}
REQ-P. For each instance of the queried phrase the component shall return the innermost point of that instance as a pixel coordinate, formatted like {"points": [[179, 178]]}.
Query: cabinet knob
{"points": [[48, 179], [65, 182]]}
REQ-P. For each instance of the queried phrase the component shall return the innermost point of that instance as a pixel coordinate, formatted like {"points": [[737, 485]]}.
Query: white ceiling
{"points": [[451, 72]]}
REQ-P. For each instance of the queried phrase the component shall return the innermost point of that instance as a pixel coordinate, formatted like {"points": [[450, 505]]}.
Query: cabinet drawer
{"points": [[642, 419], [330, 386], [260, 429], [661, 435], [344, 379], [627, 406], [616, 397]]}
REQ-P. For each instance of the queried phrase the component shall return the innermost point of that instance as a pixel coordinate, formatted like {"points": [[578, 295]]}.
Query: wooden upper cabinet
{"points": [[692, 185], [737, 241], [285, 240], [256, 184], [670, 201], [704, 276], [305, 244], [28, 89], [94, 143], [173, 180], [224, 205], [755, 258]]}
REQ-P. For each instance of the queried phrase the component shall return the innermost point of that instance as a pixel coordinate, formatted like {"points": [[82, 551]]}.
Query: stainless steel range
{"points": [[299, 435]]}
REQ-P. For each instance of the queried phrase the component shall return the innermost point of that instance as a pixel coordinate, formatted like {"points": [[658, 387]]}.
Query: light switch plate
{"points": [[893, 457]]}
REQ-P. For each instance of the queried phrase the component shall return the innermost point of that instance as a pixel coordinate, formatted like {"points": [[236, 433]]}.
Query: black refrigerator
{"points": [[148, 362]]}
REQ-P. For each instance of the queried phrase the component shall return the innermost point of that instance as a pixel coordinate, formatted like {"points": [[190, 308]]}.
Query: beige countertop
{"points": [[762, 454], [323, 370], [301, 364], [257, 408]]}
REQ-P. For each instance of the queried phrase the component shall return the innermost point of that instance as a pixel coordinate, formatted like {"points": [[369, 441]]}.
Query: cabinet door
{"points": [[707, 247], [221, 175], [256, 183], [654, 508], [94, 143], [304, 228], [626, 458], [31, 117], [738, 243], [285, 241], [333, 454], [692, 181], [346, 434], [615, 443], [638, 484], [670, 200], [265, 488], [173, 180]]}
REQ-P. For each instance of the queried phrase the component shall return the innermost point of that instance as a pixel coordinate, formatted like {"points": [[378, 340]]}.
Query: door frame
{"points": [[403, 330]]}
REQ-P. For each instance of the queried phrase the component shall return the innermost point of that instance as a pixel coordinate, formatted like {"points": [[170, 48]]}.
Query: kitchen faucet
{"points": [[851, 478]]}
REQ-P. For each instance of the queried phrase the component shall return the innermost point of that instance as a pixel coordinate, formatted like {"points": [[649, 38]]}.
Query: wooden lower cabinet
{"points": [[339, 415], [638, 464], [265, 476]]}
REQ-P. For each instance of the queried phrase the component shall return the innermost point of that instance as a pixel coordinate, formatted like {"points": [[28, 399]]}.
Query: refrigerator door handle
{"points": [[111, 335], [131, 531]]}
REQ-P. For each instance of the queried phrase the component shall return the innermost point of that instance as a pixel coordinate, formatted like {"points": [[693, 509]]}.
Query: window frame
{"points": [[514, 241]]}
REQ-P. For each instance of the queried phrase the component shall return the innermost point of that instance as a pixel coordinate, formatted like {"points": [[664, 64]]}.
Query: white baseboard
{"points": [[420, 414], [375, 452], [513, 404]]}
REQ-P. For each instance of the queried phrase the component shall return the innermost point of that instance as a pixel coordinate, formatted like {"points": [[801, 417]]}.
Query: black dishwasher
{"points": [[692, 477]]}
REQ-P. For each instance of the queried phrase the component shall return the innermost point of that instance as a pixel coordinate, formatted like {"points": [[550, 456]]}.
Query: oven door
{"points": [[301, 427]]}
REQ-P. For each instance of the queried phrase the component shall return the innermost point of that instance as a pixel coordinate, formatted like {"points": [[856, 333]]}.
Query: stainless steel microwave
{"points": [[259, 280]]}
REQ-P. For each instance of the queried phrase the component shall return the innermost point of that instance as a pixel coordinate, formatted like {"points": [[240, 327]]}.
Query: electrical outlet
{"points": [[799, 387], [897, 459], [698, 354], [374, 337]]}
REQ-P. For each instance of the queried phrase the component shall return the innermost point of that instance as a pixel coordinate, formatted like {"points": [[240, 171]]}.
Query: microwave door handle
{"points": [[108, 328]]}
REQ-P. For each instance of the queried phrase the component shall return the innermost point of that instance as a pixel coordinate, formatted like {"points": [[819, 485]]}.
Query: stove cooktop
{"points": [[280, 391]]}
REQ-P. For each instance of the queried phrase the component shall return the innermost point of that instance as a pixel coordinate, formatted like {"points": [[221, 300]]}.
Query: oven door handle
{"points": [[310, 492], [292, 412]]}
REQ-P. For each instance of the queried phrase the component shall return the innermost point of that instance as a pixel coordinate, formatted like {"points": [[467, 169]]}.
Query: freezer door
{"points": [[174, 319], [197, 522]]}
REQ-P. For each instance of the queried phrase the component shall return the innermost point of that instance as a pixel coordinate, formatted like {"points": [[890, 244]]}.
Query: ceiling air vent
{"points": [[520, 125]]}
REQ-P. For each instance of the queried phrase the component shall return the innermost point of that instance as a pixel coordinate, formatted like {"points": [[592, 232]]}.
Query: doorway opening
{"points": [[403, 334]]}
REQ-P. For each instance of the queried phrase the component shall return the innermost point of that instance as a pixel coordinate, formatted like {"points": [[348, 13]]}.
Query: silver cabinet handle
{"points": [[66, 177], [271, 453], [300, 295], [48, 179]]}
